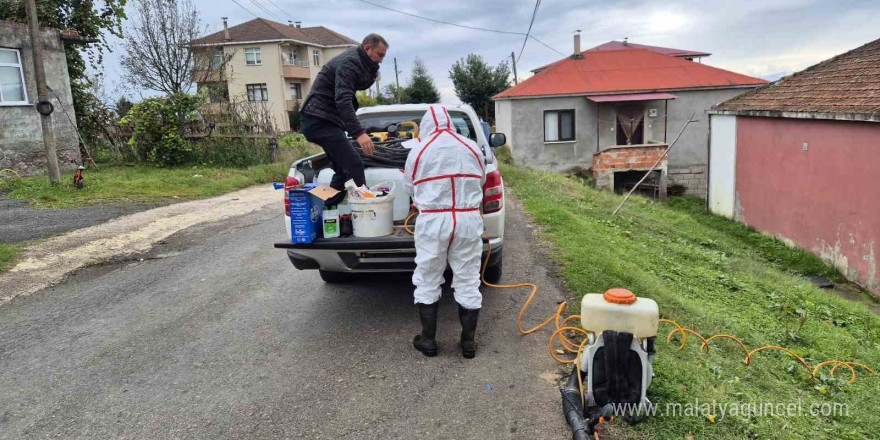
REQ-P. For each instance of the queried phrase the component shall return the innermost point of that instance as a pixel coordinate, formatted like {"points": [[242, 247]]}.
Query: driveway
{"points": [[213, 334]]}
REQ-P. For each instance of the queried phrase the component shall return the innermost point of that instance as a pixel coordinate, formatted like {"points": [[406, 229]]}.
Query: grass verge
{"points": [[715, 276], [7, 254], [143, 183]]}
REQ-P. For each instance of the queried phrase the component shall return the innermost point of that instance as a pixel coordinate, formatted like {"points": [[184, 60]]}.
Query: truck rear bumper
{"points": [[383, 254]]}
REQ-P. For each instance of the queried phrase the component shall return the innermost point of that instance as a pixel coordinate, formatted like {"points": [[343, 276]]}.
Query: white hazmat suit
{"points": [[444, 175]]}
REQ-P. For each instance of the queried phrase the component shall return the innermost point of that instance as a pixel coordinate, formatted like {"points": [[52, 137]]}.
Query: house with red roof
{"points": [[614, 109], [799, 160]]}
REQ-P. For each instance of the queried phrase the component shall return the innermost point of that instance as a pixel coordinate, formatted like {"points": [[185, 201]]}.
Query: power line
{"points": [[263, 8], [282, 10], [246, 9], [461, 25], [534, 14]]}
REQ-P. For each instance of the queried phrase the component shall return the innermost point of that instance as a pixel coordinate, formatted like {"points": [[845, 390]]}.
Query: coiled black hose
{"points": [[390, 154]]}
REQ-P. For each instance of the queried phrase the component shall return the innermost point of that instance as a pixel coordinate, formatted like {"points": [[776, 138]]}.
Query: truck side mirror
{"points": [[497, 140]]}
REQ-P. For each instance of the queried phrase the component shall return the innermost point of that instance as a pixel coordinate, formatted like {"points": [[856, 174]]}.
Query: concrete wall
{"points": [[825, 199], [21, 136], [688, 160], [239, 75], [526, 133]]}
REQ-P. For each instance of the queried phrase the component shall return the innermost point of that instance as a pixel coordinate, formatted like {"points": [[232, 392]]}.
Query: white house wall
{"points": [[722, 165]]}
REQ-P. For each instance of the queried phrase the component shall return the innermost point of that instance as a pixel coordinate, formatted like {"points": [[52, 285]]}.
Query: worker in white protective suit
{"points": [[444, 175]]}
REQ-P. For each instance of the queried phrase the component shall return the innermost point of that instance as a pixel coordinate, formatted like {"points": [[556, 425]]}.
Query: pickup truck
{"points": [[337, 258]]}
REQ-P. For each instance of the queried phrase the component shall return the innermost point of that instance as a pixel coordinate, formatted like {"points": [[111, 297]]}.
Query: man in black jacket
{"points": [[329, 111]]}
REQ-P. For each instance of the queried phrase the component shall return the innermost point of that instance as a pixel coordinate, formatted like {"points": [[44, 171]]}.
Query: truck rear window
{"points": [[380, 122]]}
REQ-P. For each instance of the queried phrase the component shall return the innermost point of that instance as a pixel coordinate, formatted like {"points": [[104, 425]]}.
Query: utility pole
{"points": [[397, 78], [513, 58], [378, 78], [43, 93]]}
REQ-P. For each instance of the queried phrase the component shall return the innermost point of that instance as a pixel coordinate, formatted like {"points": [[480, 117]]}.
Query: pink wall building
{"points": [[800, 160]]}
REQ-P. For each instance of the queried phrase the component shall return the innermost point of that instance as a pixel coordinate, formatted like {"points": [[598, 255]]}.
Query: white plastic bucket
{"points": [[373, 217]]}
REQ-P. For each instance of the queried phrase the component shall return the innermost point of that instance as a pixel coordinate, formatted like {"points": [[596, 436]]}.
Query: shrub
{"points": [[158, 128], [232, 151]]}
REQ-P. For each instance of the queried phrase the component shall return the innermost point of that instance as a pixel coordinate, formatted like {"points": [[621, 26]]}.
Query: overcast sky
{"points": [[762, 38]]}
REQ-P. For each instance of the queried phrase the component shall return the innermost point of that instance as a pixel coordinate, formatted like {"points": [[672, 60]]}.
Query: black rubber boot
{"points": [[425, 341], [468, 318]]}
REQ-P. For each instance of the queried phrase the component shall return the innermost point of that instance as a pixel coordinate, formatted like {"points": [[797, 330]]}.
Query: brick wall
{"points": [[626, 158]]}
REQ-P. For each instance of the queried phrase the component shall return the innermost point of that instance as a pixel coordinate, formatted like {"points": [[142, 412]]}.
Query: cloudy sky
{"points": [[762, 38]]}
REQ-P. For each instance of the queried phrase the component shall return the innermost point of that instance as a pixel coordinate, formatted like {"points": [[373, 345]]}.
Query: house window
{"points": [[12, 89], [296, 91], [253, 56], [216, 59], [316, 57], [292, 56], [558, 125], [257, 92]]}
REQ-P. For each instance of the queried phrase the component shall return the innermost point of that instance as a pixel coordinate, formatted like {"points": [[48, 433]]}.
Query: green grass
{"points": [[139, 184], [715, 276], [7, 254], [115, 183]]}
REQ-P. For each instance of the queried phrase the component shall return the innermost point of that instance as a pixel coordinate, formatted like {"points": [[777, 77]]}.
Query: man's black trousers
{"points": [[345, 161]]}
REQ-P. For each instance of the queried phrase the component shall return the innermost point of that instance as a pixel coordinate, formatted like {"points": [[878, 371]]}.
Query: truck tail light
{"points": [[493, 194], [289, 184]]}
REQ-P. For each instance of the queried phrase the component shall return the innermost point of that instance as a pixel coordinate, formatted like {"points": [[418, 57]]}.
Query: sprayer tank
{"points": [[620, 310]]}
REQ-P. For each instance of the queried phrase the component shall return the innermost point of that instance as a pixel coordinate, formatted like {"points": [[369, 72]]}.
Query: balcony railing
{"points": [[296, 63]]}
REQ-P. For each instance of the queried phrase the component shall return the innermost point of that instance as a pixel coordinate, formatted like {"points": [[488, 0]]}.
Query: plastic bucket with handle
{"points": [[373, 217]]}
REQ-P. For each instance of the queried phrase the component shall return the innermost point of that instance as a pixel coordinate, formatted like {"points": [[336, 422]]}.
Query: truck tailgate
{"points": [[399, 239]]}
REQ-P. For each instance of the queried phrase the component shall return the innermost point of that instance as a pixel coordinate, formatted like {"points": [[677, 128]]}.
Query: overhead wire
{"points": [[534, 14], [263, 8], [279, 8], [246, 9], [477, 28]]}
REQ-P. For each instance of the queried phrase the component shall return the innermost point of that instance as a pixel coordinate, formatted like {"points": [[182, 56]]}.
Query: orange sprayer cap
{"points": [[620, 296]]}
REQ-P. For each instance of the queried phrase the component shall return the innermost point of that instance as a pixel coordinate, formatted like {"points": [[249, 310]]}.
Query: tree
{"points": [[365, 100], [475, 83], [91, 19], [158, 56], [123, 106], [421, 89], [390, 93]]}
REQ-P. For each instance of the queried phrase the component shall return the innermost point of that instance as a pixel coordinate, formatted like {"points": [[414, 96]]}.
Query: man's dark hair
{"points": [[373, 40]]}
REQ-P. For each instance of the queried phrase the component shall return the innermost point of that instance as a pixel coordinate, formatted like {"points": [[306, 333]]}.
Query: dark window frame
{"points": [[253, 88], [559, 114]]}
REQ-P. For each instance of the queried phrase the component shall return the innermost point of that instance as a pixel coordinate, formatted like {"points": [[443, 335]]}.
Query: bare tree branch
{"points": [[157, 44]]}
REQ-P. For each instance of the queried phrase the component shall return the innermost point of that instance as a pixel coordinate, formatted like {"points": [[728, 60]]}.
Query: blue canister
{"points": [[305, 214]]}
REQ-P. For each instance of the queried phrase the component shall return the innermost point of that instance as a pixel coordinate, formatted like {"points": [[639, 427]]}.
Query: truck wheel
{"points": [[493, 273], [333, 277]]}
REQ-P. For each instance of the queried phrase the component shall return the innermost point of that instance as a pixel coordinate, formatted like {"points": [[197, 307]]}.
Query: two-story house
{"points": [[265, 61]]}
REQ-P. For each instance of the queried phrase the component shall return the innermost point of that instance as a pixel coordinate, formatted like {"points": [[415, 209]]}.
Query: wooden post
{"points": [[397, 78], [513, 58], [42, 91]]}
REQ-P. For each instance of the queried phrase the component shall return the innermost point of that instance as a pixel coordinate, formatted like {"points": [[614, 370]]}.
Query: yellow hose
{"points": [[11, 171], [573, 347]]}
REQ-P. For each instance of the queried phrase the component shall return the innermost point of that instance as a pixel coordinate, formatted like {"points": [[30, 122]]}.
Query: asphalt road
{"points": [[21, 222], [215, 335]]}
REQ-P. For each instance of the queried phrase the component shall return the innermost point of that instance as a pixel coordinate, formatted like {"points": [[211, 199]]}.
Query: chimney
{"points": [[625, 42], [298, 24], [577, 45], [290, 23], [225, 28]]}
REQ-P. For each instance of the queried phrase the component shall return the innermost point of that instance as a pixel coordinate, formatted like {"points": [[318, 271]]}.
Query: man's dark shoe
{"points": [[425, 341], [468, 318]]}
